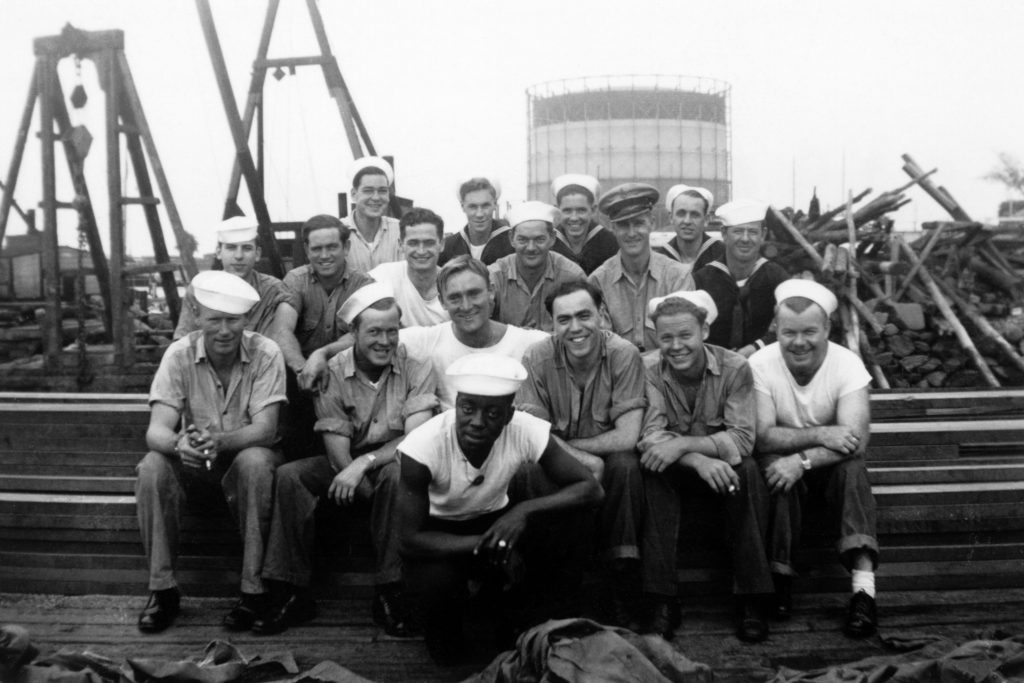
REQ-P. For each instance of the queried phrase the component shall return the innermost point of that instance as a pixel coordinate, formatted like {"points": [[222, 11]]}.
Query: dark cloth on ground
{"points": [[221, 663], [583, 650], [979, 661]]}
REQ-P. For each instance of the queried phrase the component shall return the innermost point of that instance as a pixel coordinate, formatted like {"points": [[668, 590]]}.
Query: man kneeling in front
{"points": [[457, 519], [813, 417]]}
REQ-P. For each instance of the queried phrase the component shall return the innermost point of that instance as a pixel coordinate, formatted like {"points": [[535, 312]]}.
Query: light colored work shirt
{"points": [[372, 414], [724, 407], [187, 382], [627, 300], [319, 323], [614, 388], [386, 246], [516, 303]]}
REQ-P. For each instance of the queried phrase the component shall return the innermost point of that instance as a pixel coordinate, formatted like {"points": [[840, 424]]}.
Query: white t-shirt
{"points": [[814, 404], [416, 311], [453, 493], [438, 345], [477, 251]]}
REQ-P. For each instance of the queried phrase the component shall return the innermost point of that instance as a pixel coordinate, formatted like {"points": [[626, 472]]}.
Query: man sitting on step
{"points": [[374, 396], [813, 418], [213, 424]]}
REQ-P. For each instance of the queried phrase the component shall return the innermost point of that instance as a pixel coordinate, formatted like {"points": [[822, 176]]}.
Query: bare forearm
{"points": [[575, 495], [613, 441], [823, 457], [249, 436], [162, 439], [787, 439], [290, 349]]}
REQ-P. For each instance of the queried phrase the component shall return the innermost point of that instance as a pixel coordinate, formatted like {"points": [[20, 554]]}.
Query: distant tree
{"points": [[1009, 172]]}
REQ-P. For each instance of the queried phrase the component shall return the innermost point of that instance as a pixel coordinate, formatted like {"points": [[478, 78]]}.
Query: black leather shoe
{"points": [[751, 626], [245, 612], [391, 613], [160, 611], [294, 610], [783, 608], [660, 620], [862, 616]]}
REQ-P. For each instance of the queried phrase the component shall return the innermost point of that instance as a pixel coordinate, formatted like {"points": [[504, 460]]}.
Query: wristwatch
{"points": [[804, 460]]}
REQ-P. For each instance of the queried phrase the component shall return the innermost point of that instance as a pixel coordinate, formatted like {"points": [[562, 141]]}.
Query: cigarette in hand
{"points": [[209, 464], [732, 488]]}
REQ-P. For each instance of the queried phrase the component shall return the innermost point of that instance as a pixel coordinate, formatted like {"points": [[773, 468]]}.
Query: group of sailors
{"points": [[511, 402]]}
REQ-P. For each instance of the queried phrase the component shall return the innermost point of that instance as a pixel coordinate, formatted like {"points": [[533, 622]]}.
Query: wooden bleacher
{"points": [[947, 469]]}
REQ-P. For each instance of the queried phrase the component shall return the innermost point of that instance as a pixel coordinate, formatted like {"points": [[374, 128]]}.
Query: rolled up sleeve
{"points": [[628, 380], [269, 386], [740, 415], [422, 393]]}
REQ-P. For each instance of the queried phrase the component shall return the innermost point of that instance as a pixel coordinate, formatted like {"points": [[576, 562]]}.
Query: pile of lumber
{"points": [[944, 310]]}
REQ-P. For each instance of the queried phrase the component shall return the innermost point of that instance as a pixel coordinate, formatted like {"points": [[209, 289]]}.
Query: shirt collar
{"points": [[549, 270], [618, 271]]}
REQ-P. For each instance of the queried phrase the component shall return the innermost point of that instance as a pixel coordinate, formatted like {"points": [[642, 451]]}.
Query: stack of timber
{"points": [[947, 469], [946, 310]]}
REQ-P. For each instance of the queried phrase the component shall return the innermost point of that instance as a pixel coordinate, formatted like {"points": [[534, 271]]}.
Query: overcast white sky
{"points": [[441, 85]]}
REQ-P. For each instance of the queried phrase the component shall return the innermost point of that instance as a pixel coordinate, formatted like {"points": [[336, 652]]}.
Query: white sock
{"points": [[864, 580]]}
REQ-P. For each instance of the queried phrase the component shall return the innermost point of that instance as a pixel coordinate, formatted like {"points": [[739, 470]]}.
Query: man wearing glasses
{"points": [[523, 280], [743, 284], [375, 237]]}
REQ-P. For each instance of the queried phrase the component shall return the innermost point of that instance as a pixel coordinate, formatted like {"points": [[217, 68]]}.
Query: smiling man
{"points": [[484, 238], [467, 295], [375, 396], [522, 281], [743, 282], [213, 424], [698, 438], [813, 419], [238, 251], [589, 384], [689, 208], [414, 280], [459, 519], [580, 237], [635, 275], [374, 237]]}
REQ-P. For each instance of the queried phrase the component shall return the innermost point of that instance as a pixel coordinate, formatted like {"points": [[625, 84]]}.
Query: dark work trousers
{"points": [[742, 520], [620, 517], [843, 490], [549, 563], [300, 485], [244, 479], [297, 420]]}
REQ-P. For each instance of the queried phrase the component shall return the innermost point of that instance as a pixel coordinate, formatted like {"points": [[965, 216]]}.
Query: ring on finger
{"points": [[502, 544]]}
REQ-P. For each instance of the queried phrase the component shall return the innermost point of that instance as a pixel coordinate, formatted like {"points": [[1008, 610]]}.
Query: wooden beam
{"points": [[123, 334], [48, 93], [7, 201], [243, 155], [184, 241]]}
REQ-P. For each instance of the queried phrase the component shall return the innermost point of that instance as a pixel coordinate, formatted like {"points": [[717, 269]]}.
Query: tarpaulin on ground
{"points": [[936, 659], [582, 650]]}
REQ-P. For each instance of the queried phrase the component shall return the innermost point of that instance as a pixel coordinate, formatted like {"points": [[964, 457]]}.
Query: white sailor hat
{"points": [[533, 211], [587, 182], [372, 162], [741, 211], [698, 298], [808, 289], [486, 374], [224, 292], [236, 230], [495, 183], [363, 298], [677, 190]]}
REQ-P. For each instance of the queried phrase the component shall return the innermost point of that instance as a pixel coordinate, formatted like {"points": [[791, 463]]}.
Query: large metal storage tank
{"points": [[661, 130]]}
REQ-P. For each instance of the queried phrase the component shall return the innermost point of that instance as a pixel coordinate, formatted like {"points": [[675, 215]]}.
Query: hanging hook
{"points": [[78, 96]]}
